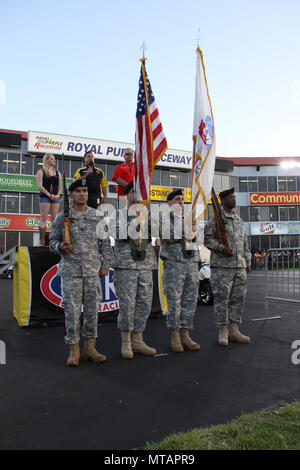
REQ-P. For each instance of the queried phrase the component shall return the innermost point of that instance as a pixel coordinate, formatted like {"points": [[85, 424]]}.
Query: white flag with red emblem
{"points": [[204, 150]]}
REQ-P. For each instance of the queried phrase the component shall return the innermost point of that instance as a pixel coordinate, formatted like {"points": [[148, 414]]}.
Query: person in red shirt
{"points": [[124, 172]]}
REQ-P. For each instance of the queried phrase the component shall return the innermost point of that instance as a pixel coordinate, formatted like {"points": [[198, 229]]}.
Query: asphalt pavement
{"points": [[122, 404]]}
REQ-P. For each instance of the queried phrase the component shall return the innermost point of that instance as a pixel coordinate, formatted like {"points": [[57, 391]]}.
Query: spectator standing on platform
{"points": [[83, 260], [50, 186], [133, 279], [229, 269], [124, 172], [180, 276], [94, 179]]}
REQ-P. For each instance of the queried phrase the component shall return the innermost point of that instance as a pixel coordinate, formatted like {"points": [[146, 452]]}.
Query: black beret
{"points": [[77, 184], [176, 192], [225, 193], [128, 188]]}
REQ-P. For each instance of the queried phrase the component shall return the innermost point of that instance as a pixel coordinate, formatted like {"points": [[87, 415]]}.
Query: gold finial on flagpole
{"points": [[143, 46]]}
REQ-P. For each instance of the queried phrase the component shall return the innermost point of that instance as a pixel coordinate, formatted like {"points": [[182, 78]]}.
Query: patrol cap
{"points": [[176, 192], [225, 193], [76, 184], [128, 188]]}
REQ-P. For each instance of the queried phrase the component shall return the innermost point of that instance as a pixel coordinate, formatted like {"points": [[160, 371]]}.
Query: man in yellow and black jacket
{"points": [[95, 181]]}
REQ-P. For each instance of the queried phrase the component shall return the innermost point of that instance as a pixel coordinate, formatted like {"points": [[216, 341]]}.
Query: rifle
{"points": [[66, 204], [221, 229]]}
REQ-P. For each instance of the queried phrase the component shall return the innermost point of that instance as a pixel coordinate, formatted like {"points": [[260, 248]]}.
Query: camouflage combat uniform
{"points": [[180, 276], [228, 273], [133, 279], [80, 271]]}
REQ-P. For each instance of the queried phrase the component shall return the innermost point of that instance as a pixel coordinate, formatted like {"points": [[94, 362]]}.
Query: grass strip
{"points": [[277, 429]]}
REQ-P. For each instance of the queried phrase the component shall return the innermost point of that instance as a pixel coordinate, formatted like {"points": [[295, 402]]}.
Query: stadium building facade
{"points": [[268, 194]]}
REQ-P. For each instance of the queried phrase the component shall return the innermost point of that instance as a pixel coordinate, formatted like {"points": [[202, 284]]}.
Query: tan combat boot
{"points": [[176, 345], [187, 342], [223, 336], [90, 353], [126, 350], [139, 347], [42, 235], [234, 334], [73, 359]]}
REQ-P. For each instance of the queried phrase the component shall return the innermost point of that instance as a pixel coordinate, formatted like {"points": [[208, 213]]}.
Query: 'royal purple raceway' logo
{"points": [[51, 289]]}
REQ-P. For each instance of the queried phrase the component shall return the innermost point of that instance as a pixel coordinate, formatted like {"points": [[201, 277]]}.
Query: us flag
{"points": [[150, 141]]}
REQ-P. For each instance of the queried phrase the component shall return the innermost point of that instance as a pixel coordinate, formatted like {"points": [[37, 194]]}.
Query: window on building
{"points": [[294, 241], [243, 185], [255, 243], [293, 213], [75, 164], [291, 183], [3, 162], [37, 164], [274, 239], [184, 179], [174, 178], [165, 177], [155, 177], [252, 182], [26, 239], [12, 239], [2, 202], [26, 203], [244, 213], [13, 163], [110, 171], [2, 242], [272, 184], [217, 183], [282, 183], [262, 184], [265, 242], [26, 165], [12, 203], [35, 204], [298, 183], [273, 213], [225, 182], [254, 214], [283, 213], [264, 214], [233, 181]]}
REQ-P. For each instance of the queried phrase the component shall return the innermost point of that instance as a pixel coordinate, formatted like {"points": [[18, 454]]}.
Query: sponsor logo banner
{"points": [[275, 228], [277, 199], [43, 142], [23, 222]]}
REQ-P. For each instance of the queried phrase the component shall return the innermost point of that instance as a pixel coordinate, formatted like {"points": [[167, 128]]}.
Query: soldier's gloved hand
{"points": [[65, 247], [228, 251], [103, 272]]}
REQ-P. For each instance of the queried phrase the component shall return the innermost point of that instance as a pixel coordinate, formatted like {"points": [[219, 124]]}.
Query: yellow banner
{"points": [[160, 193]]}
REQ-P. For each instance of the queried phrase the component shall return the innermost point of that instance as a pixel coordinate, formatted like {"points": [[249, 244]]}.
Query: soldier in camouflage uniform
{"points": [[80, 268], [133, 280], [229, 268], [180, 277]]}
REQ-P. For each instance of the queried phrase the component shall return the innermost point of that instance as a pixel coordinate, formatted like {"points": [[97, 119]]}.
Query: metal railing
{"points": [[7, 259], [282, 277]]}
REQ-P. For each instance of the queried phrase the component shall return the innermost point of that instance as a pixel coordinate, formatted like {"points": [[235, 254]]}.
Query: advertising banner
{"points": [[22, 222], [275, 228], [37, 294], [23, 183], [44, 142], [277, 199]]}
